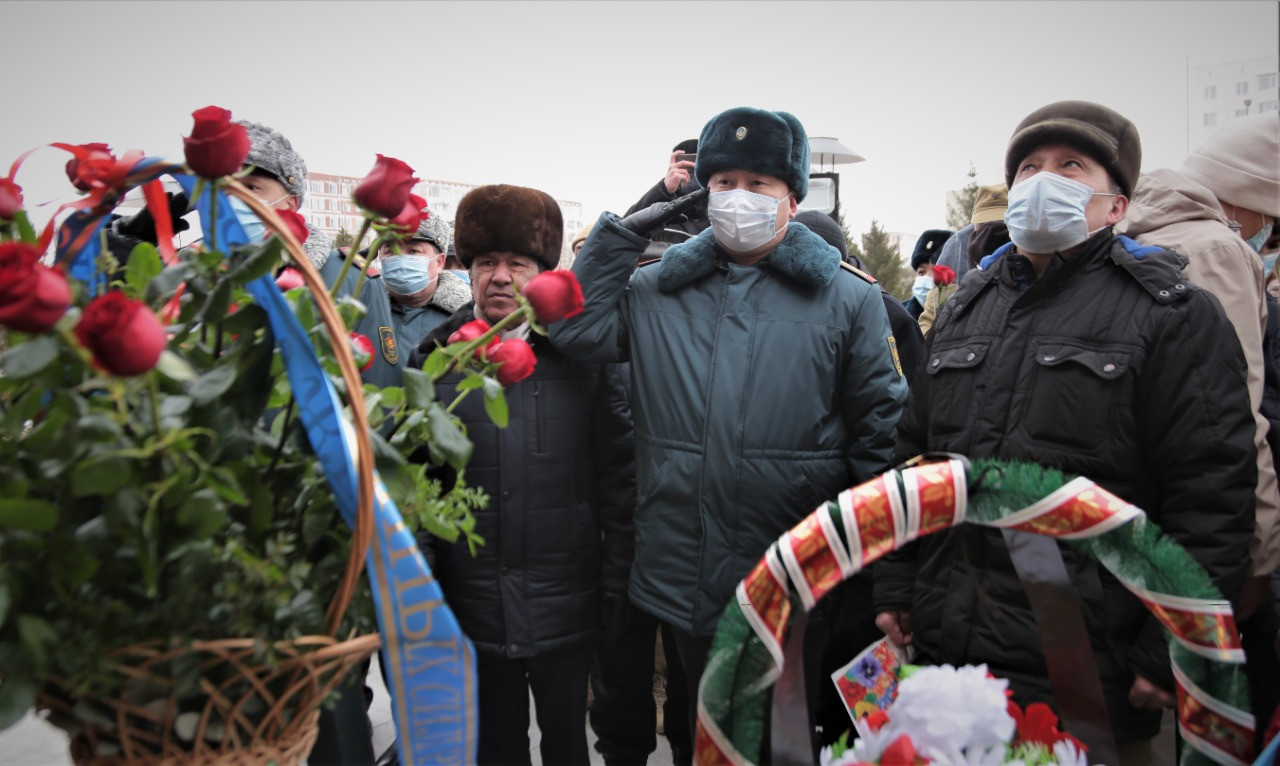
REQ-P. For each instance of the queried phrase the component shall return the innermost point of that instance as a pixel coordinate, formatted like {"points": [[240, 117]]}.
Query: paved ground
{"points": [[33, 742]]}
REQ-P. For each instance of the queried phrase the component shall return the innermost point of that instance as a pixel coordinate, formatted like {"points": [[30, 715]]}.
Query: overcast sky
{"points": [[585, 99]]}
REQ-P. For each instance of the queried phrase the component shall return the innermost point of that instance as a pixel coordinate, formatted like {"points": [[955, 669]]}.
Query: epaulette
{"points": [[1157, 269], [648, 262], [858, 272]]}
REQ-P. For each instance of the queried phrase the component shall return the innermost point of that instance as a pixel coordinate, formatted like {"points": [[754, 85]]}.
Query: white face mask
{"points": [[921, 287], [743, 220], [1046, 213]]}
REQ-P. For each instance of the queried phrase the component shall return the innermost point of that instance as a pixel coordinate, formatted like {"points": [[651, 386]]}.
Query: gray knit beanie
{"points": [[1240, 163], [434, 229], [269, 150]]}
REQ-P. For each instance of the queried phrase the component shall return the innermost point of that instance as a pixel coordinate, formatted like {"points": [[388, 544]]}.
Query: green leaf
{"points": [[419, 391], [435, 364], [28, 514], [144, 265], [73, 564], [5, 600], [202, 514], [223, 481], [496, 406], [29, 358], [392, 397], [100, 477], [212, 384], [27, 233], [260, 511], [470, 382], [262, 260], [448, 438], [174, 367], [165, 284], [37, 637], [16, 698], [219, 300]]}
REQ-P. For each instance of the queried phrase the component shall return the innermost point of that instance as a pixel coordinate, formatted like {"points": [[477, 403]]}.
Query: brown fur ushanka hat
{"points": [[504, 218]]}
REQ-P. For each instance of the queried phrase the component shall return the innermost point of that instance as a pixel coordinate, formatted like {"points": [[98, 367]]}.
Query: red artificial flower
{"points": [[33, 297], [414, 213], [1039, 725], [10, 199], [295, 223], [943, 275], [90, 167], [385, 190], [515, 361], [217, 146], [123, 335], [289, 278], [472, 330], [554, 295], [901, 752], [363, 350], [877, 720]]}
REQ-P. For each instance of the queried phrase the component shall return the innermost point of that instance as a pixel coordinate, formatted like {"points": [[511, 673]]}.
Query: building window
{"points": [[1266, 81], [1211, 91], [1242, 112], [1210, 119], [1242, 88], [1269, 106]]}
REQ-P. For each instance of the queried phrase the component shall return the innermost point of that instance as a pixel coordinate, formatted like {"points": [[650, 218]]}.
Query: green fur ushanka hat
{"points": [[769, 143]]}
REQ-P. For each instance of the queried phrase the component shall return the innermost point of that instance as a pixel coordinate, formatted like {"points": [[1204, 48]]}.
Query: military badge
{"points": [[893, 349], [390, 351]]}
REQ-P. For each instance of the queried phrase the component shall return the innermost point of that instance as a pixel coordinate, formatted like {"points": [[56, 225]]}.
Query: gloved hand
{"points": [[615, 614], [142, 225], [644, 221]]}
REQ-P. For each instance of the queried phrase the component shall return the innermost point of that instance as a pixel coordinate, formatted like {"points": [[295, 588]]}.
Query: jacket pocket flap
{"points": [[1107, 363], [960, 357]]}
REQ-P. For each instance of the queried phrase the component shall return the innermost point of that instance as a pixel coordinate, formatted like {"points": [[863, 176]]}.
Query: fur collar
{"points": [[802, 255], [451, 292], [317, 247]]}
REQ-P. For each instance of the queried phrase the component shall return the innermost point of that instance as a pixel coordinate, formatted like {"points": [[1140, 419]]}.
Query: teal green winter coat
{"points": [[758, 393]]}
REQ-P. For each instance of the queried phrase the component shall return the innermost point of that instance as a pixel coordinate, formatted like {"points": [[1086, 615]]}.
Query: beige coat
{"points": [[1171, 211]]}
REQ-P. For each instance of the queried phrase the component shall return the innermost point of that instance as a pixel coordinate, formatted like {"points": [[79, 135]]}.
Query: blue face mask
{"points": [[407, 274], [253, 226], [1260, 239]]}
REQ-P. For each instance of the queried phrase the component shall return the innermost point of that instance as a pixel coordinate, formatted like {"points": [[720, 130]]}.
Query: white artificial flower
{"points": [[870, 745], [974, 756], [953, 710], [1067, 754]]}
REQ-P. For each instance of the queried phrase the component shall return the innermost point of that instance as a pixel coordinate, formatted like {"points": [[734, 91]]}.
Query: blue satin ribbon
{"points": [[429, 662]]}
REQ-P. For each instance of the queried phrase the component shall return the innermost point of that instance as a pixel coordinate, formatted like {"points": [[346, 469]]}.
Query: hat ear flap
{"points": [[798, 158]]}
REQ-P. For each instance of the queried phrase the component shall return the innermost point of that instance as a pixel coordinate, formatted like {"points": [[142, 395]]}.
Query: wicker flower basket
{"points": [[261, 702]]}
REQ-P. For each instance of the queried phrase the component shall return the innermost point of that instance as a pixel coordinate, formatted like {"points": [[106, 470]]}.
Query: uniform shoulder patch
{"points": [[387, 338], [858, 272]]}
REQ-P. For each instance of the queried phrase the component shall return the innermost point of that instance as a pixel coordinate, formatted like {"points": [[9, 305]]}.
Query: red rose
{"points": [[554, 295], [10, 199], [217, 146], [472, 330], [123, 335], [289, 278], [415, 210], [94, 163], [296, 224], [901, 752], [515, 360], [877, 720], [943, 275], [385, 190], [363, 350], [33, 297]]}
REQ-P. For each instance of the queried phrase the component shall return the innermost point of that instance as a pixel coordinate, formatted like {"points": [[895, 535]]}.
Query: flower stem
{"points": [[346, 262], [457, 400], [284, 436], [213, 217], [153, 389], [364, 272], [514, 318]]}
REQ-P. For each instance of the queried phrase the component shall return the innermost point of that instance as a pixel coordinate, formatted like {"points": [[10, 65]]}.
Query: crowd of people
{"points": [[734, 367]]}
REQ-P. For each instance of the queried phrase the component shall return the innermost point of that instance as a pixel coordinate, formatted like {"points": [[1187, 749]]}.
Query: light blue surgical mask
{"points": [[921, 287], [1260, 239], [407, 274], [253, 226], [1046, 213]]}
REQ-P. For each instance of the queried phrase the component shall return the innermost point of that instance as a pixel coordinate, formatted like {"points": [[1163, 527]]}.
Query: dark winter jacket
{"points": [[688, 225], [758, 392], [561, 485], [1111, 366]]}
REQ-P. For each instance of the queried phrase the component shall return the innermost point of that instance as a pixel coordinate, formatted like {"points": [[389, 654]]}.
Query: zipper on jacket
{"points": [[539, 418]]}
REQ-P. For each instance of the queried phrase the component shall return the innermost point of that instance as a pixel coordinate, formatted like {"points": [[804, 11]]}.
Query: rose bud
{"points": [[33, 297], [554, 295], [385, 190], [362, 349], [472, 330], [289, 278], [10, 199], [217, 146], [414, 211], [92, 164], [295, 223], [123, 335], [515, 359]]}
